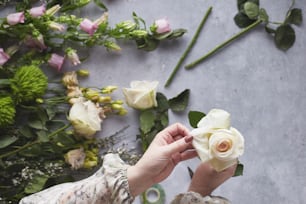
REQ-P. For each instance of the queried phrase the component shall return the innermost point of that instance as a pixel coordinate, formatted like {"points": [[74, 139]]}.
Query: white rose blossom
{"points": [[85, 118], [141, 95], [216, 141]]}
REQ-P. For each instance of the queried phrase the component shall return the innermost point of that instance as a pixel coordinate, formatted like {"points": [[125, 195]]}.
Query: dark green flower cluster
{"points": [[28, 83], [7, 111]]}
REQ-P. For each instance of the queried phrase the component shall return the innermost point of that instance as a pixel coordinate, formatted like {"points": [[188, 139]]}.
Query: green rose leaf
{"points": [[294, 16], [239, 170], [147, 119], [36, 184], [194, 117], [7, 140], [180, 102], [164, 120], [270, 30], [251, 10], [242, 20], [162, 102], [284, 37]]}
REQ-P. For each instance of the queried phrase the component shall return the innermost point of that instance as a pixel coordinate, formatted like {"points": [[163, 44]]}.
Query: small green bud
{"points": [[39, 100], [53, 10], [108, 89], [83, 72], [139, 33], [127, 25], [112, 46]]}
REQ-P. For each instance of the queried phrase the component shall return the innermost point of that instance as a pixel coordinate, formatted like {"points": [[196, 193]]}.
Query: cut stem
{"points": [[191, 44], [213, 51]]}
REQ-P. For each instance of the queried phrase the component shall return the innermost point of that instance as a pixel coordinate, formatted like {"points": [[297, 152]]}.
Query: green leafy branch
{"points": [[249, 16]]}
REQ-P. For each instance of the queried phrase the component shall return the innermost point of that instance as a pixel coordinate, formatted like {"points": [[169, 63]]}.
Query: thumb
{"points": [[180, 145]]}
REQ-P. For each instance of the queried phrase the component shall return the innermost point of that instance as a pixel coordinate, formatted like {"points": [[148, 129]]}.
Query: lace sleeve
{"points": [[196, 198], [108, 185]]}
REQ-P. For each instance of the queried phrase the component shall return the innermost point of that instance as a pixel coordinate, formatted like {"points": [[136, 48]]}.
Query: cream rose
{"points": [[141, 95], [85, 119], [216, 141]]}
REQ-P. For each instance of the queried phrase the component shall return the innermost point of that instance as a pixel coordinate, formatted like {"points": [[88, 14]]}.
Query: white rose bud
{"points": [[85, 119], [217, 142], [141, 95]]}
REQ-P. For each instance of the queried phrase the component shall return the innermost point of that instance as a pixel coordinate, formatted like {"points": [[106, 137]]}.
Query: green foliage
{"points": [[284, 35], [239, 170], [194, 117], [155, 119], [180, 102]]}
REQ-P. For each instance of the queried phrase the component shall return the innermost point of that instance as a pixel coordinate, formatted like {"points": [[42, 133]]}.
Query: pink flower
{"points": [[56, 61], [37, 42], [37, 11], [73, 56], [162, 26], [88, 26], [3, 57], [15, 18]]}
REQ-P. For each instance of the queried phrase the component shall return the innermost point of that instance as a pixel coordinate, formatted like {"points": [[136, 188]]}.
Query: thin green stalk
{"points": [[213, 51], [191, 44], [33, 143]]}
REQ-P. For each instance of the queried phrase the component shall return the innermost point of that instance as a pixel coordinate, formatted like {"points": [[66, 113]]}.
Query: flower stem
{"points": [[213, 51], [191, 44], [32, 143]]}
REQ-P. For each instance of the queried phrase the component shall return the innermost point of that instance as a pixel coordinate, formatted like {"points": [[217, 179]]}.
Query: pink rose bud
{"points": [[73, 56], [15, 18], [162, 26], [88, 26], [56, 61], [3, 57], [38, 11]]}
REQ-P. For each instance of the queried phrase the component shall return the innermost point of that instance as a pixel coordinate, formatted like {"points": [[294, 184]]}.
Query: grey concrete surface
{"points": [[261, 86]]}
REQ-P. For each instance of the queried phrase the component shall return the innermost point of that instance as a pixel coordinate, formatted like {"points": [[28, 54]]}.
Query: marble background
{"points": [[261, 86]]}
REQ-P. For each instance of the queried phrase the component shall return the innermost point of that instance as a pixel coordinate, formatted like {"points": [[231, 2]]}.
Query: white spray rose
{"points": [[216, 141], [141, 95], [85, 119]]}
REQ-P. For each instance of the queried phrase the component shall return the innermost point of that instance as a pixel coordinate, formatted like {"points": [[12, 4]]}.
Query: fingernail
{"points": [[188, 138]]}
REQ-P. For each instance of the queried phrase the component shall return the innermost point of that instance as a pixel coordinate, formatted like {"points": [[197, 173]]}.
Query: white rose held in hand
{"points": [[141, 95], [216, 141], [85, 119]]}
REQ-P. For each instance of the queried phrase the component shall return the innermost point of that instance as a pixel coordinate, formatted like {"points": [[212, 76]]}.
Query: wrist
{"points": [[138, 181]]}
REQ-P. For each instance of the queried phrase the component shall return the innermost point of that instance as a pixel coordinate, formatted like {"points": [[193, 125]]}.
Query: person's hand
{"points": [[206, 178], [169, 147]]}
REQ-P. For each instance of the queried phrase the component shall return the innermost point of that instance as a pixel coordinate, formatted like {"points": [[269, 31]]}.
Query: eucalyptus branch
{"points": [[186, 52], [37, 141], [216, 49]]}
